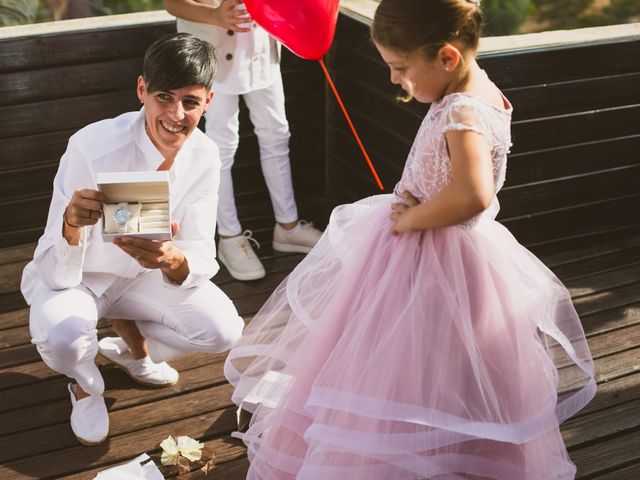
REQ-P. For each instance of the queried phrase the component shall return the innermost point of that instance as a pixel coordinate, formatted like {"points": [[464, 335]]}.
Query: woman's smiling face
{"points": [[172, 115]]}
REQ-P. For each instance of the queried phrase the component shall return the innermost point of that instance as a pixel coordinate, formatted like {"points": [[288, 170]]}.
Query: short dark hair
{"points": [[179, 60]]}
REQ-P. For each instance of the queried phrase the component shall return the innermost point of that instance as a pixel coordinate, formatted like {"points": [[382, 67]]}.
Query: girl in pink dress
{"points": [[419, 339]]}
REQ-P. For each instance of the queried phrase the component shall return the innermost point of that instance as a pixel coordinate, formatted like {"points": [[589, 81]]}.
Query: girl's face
{"points": [[426, 80]]}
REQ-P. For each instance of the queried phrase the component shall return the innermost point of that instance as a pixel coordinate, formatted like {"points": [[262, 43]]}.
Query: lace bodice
{"points": [[428, 167]]}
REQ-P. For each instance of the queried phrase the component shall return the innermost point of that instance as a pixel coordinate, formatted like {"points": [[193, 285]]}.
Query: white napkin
{"points": [[134, 470]]}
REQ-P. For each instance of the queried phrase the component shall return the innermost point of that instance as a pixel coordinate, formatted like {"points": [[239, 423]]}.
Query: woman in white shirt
{"points": [[157, 292]]}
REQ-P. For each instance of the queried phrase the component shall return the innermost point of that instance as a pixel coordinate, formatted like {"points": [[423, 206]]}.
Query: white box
{"points": [[136, 187]]}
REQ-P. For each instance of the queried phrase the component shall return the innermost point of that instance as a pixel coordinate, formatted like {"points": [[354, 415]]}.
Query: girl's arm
{"points": [[470, 191], [226, 15]]}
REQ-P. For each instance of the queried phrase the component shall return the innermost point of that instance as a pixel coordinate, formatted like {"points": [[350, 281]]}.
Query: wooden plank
{"points": [[23, 214], [11, 301], [565, 243], [568, 160], [568, 191], [602, 261], [611, 319], [554, 64], [588, 429], [606, 456], [605, 300], [614, 278], [611, 393], [592, 250], [587, 126], [25, 183], [69, 81], [20, 236], [36, 149], [46, 403], [564, 97], [38, 52], [129, 420], [12, 337], [572, 221], [64, 113], [630, 472], [14, 318], [16, 253]]}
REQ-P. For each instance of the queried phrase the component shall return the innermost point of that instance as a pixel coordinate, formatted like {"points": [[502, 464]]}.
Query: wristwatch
{"points": [[122, 215]]}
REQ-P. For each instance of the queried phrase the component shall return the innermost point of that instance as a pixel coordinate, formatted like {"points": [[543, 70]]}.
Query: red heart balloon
{"points": [[306, 27]]}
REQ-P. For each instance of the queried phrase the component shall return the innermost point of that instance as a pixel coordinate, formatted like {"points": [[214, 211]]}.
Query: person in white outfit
{"points": [[157, 293], [249, 66]]}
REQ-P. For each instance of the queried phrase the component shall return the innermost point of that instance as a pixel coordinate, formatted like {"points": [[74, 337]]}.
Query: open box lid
{"points": [[134, 186]]}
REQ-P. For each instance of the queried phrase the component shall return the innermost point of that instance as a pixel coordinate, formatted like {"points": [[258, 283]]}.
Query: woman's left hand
{"points": [[153, 254], [401, 214]]}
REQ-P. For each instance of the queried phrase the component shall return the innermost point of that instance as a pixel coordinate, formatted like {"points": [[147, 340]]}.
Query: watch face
{"points": [[121, 215]]}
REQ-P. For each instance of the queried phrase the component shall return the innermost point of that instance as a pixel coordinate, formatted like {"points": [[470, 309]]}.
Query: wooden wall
{"points": [[52, 85], [574, 172]]}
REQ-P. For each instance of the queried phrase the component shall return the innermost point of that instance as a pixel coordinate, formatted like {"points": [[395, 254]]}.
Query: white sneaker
{"points": [[236, 254], [301, 238], [89, 418], [143, 370]]}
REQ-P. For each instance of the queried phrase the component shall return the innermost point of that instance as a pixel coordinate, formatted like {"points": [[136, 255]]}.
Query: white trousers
{"points": [[63, 323], [267, 113]]}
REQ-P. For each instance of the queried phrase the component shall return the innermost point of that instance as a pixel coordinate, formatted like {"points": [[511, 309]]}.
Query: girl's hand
{"points": [[231, 17], [401, 214]]}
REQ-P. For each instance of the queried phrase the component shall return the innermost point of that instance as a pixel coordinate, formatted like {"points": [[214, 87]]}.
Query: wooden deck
{"points": [[36, 440]]}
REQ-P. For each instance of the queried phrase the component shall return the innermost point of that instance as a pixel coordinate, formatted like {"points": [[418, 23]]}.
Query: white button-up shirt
{"points": [[247, 61], [121, 145]]}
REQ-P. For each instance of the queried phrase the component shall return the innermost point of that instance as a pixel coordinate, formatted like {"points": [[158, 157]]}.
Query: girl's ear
{"points": [[449, 57]]}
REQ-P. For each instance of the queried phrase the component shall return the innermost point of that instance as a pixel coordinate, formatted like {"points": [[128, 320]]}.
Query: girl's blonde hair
{"points": [[410, 25]]}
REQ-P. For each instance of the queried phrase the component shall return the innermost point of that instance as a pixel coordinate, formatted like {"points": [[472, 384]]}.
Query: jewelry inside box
{"points": [[136, 217]]}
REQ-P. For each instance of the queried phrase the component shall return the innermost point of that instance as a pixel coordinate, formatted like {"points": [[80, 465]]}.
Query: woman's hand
{"points": [[401, 214], [155, 254], [84, 208]]}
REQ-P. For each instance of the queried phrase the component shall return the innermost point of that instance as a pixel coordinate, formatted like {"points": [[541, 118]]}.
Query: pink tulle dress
{"points": [[451, 353]]}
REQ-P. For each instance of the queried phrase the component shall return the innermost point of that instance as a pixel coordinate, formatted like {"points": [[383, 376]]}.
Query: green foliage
{"points": [[578, 13], [561, 14], [618, 11], [504, 17], [127, 6]]}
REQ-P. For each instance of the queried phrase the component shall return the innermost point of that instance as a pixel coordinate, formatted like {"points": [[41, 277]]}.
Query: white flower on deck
{"points": [[186, 447]]}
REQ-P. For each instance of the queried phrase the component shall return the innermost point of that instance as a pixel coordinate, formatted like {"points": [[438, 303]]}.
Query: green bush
{"points": [[504, 17]]}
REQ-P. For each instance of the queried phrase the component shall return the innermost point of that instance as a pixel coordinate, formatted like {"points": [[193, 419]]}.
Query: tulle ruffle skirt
{"points": [[452, 353]]}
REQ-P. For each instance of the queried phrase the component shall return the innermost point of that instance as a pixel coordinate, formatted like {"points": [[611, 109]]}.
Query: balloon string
{"points": [[353, 129]]}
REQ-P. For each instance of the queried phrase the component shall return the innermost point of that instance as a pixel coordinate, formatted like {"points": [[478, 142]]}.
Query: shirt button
{"points": [[230, 32], [229, 56]]}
